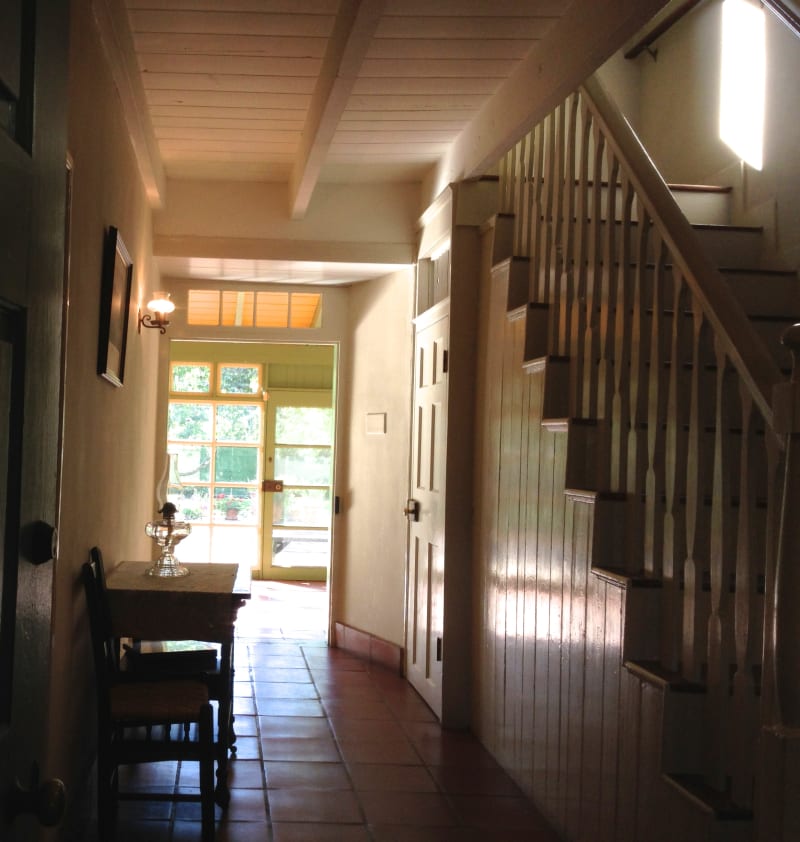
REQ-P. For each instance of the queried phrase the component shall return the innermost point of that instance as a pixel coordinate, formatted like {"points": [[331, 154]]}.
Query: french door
{"points": [[298, 494], [251, 469]]}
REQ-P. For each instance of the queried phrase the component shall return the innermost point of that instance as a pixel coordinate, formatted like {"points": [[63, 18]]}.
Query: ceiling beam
{"points": [[579, 43], [352, 34], [117, 41]]}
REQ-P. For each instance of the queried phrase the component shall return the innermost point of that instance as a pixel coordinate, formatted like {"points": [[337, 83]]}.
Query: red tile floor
{"points": [[331, 749]]}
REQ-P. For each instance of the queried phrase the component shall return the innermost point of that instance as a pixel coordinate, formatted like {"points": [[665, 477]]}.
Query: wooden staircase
{"points": [[656, 430]]}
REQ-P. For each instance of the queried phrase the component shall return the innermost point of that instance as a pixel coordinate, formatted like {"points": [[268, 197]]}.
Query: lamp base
{"points": [[172, 568]]}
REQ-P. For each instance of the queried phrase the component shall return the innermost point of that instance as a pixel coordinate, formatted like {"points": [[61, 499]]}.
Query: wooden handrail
{"points": [[660, 27], [787, 12], [742, 346]]}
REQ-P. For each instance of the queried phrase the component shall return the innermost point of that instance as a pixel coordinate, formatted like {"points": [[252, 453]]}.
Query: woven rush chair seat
{"points": [[157, 702]]}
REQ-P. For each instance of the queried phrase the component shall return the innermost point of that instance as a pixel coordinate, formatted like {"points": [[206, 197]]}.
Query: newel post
{"points": [[786, 631]]}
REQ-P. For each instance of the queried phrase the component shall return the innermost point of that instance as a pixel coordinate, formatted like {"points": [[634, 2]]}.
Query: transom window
{"points": [[246, 308]]}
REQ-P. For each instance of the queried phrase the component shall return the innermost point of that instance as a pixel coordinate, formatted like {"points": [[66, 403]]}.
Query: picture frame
{"points": [[115, 297]]}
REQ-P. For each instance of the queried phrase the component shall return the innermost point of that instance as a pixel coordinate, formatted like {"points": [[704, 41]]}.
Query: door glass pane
{"points": [[303, 425], [303, 465], [239, 422], [189, 422], [236, 464], [300, 548], [302, 507]]}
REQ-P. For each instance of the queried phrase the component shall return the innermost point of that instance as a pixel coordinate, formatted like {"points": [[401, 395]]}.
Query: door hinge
{"points": [[438, 648], [445, 361]]}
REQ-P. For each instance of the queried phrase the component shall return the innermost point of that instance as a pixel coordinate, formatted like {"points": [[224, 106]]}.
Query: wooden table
{"points": [[200, 606]]}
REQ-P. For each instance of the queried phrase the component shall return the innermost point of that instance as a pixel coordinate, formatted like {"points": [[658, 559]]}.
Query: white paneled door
{"points": [[426, 509]]}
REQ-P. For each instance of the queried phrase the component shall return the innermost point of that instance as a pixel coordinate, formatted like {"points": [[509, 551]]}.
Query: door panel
{"points": [[426, 532], [31, 307]]}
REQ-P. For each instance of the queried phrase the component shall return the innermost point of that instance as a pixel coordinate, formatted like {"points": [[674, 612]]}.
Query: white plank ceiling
{"points": [[309, 91], [381, 89]]}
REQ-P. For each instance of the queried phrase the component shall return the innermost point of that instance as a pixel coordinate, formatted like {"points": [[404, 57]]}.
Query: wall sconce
{"points": [[162, 306]]}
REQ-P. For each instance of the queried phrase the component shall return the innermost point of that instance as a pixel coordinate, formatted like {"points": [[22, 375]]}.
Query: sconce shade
{"points": [[160, 303]]}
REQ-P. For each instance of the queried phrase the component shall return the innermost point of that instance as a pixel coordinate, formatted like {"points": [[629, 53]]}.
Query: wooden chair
{"points": [[135, 720], [158, 659]]}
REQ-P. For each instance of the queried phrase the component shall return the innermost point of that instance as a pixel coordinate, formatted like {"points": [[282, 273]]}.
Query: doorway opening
{"points": [[250, 437]]}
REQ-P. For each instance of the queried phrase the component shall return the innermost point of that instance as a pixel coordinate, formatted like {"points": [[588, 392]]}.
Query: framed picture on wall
{"points": [[115, 297]]}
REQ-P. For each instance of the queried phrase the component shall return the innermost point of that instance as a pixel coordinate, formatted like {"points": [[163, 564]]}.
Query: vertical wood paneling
{"points": [[513, 463], [547, 458], [591, 784], [612, 664], [581, 540], [554, 632], [530, 584]]}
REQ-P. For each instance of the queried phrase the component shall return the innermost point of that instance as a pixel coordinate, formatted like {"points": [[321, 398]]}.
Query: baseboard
{"points": [[371, 648]]}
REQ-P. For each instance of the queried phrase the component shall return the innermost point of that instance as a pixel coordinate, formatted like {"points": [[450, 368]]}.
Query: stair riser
{"points": [[731, 247], [699, 207]]}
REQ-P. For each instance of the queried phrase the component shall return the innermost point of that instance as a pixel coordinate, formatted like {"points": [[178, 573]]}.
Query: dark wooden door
{"points": [[33, 72]]}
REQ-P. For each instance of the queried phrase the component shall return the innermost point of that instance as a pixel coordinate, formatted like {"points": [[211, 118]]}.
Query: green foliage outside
{"points": [[191, 378], [238, 380]]}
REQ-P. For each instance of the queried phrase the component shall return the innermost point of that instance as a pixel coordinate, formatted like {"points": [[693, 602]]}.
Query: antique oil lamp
{"points": [[167, 533]]}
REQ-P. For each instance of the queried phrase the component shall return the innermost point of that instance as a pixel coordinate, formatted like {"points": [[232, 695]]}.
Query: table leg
{"points": [[225, 724]]}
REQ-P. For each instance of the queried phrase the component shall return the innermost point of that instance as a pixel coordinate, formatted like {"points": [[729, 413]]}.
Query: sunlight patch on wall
{"points": [[743, 80]]}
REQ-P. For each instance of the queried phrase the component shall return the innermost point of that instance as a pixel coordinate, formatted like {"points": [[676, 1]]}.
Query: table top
{"points": [[233, 579]]}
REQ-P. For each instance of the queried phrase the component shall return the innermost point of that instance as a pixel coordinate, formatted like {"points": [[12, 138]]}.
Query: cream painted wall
{"points": [[678, 124], [370, 567], [108, 467], [372, 223]]}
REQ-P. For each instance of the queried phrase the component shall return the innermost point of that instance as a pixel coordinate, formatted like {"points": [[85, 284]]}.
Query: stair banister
{"points": [[723, 312], [786, 632]]}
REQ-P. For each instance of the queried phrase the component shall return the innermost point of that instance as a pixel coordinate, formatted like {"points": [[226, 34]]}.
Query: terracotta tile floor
{"points": [[330, 748]]}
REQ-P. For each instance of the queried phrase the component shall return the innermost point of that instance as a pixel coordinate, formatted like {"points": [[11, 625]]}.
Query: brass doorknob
{"points": [[412, 508], [44, 800]]}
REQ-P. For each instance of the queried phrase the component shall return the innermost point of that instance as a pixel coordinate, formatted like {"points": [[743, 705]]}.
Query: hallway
{"points": [[331, 750]]}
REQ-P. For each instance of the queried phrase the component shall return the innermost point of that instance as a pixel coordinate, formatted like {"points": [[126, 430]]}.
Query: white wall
{"points": [[369, 579], [358, 222], [108, 465]]}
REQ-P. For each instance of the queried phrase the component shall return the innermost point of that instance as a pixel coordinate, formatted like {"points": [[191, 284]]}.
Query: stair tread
{"points": [[719, 803], [655, 672]]}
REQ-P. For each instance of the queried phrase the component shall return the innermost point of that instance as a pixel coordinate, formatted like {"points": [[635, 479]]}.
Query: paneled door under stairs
{"points": [[426, 511]]}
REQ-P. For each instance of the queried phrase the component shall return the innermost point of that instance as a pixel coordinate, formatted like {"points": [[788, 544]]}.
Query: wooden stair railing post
{"points": [[553, 291], [656, 401], [578, 315], [637, 403], [721, 567], [623, 319], [674, 482], [745, 612], [568, 224], [787, 577], [594, 270], [692, 568]]}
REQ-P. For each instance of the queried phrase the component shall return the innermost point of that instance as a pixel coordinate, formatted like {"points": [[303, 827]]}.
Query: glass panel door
{"points": [[300, 456]]}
